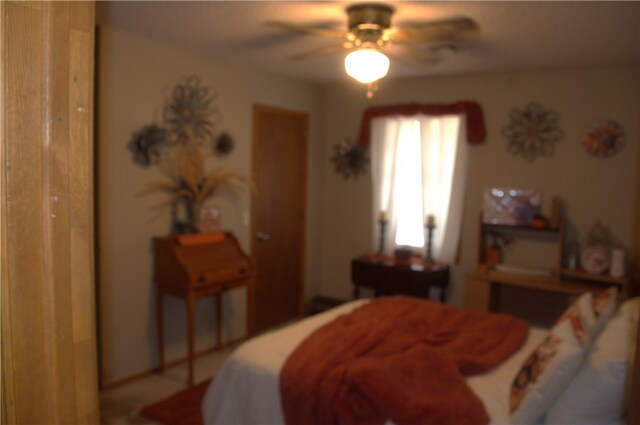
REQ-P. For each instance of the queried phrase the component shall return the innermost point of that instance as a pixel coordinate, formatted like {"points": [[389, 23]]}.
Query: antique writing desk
{"points": [[195, 266], [388, 276]]}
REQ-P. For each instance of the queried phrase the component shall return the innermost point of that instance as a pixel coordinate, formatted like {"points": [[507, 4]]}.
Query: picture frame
{"points": [[510, 206]]}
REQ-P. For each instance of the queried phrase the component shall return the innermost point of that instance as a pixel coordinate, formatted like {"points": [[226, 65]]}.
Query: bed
{"points": [[246, 389]]}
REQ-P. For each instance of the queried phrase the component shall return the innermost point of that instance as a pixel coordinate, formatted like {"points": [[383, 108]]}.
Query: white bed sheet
{"points": [[246, 388]]}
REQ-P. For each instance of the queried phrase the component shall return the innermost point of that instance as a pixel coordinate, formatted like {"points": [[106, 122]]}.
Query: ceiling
{"points": [[515, 36]]}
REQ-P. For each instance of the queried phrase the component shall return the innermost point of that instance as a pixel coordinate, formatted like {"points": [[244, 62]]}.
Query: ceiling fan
{"points": [[370, 32]]}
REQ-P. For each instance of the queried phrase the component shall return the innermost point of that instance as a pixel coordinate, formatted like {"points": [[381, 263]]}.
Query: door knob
{"points": [[263, 237]]}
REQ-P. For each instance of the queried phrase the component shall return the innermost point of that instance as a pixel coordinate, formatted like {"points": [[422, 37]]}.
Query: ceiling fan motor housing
{"points": [[369, 15], [368, 24]]}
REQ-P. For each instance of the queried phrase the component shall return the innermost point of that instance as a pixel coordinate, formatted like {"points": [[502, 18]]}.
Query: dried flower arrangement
{"points": [[178, 149]]}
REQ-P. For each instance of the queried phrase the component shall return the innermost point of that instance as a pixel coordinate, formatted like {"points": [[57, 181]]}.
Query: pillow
{"points": [[596, 395], [604, 305], [582, 316], [547, 371], [593, 312]]}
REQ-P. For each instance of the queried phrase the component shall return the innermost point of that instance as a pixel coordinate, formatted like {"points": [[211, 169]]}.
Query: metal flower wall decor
{"points": [[189, 113], [149, 145], [179, 149], [223, 145], [350, 159], [532, 131]]}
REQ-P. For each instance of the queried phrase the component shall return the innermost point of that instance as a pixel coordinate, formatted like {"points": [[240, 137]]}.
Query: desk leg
{"points": [[356, 292], [477, 294], [444, 286], [250, 307], [160, 324], [190, 335], [219, 320], [443, 294], [494, 297]]}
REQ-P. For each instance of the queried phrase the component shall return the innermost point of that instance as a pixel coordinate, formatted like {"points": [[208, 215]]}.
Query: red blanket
{"points": [[396, 358]]}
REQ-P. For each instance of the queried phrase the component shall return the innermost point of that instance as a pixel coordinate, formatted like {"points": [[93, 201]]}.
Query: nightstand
{"points": [[388, 276]]}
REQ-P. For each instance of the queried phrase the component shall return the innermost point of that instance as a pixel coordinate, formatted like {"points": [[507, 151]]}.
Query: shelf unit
{"points": [[559, 232], [580, 274], [482, 286]]}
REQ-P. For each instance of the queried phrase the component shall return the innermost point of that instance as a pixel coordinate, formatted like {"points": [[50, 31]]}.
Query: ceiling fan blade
{"points": [[410, 52], [443, 30], [306, 29], [322, 51]]}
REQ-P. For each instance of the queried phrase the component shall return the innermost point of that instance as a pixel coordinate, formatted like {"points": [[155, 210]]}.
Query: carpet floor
{"points": [[182, 408]]}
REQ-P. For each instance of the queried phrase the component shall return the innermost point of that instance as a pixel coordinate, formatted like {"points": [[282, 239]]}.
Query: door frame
{"points": [[257, 109]]}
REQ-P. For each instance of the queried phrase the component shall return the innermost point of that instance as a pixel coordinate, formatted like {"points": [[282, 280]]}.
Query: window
{"points": [[419, 169]]}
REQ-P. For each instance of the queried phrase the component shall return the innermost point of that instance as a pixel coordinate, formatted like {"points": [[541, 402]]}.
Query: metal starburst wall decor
{"points": [[350, 159], [532, 131], [190, 110]]}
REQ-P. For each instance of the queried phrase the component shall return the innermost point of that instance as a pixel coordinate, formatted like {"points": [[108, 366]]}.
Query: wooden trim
{"points": [[253, 229], [8, 411], [634, 408], [634, 396], [303, 219]]}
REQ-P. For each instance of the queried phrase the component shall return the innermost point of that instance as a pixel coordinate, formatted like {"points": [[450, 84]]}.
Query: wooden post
{"points": [[49, 361]]}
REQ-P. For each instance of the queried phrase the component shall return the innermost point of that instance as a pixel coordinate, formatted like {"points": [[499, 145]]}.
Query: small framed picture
{"points": [[209, 219], [510, 206]]}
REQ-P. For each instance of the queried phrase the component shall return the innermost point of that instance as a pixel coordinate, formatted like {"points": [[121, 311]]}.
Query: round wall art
{"points": [[605, 139]]}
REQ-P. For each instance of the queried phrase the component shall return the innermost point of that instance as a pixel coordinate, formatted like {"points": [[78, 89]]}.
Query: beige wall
{"points": [[132, 74], [593, 188]]}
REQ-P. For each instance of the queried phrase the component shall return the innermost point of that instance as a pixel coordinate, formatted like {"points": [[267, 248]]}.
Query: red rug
{"points": [[182, 408]]}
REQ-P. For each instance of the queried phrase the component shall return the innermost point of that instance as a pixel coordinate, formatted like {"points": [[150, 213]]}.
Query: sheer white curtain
{"points": [[418, 166]]}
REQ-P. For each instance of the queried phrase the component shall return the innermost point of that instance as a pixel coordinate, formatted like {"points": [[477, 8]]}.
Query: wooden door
{"points": [[49, 373], [279, 171]]}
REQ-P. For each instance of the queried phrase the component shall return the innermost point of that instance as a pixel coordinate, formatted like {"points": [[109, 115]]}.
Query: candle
{"points": [[383, 216], [431, 220]]}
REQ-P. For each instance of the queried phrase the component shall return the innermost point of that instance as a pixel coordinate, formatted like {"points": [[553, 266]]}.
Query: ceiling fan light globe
{"points": [[366, 65]]}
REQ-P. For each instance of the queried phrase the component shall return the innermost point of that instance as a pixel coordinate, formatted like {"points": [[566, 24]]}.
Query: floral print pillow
{"points": [[604, 305], [533, 368], [553, 364]]}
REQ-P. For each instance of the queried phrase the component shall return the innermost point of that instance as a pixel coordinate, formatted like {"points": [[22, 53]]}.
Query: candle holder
{"points": [[383, 227], [427, 254]]}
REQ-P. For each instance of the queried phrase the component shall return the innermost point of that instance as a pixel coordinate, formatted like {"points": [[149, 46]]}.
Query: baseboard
{"points": [[106, 386]]}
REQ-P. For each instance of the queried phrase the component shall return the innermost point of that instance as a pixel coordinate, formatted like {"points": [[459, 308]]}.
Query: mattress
{"points": [[246, 388]]}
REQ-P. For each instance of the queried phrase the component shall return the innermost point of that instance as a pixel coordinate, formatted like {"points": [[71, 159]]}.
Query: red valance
{"points": [[476, 131]]}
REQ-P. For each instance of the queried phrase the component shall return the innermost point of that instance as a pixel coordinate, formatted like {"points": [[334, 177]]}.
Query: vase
{"points": [[185, 216], [194, 213]]}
